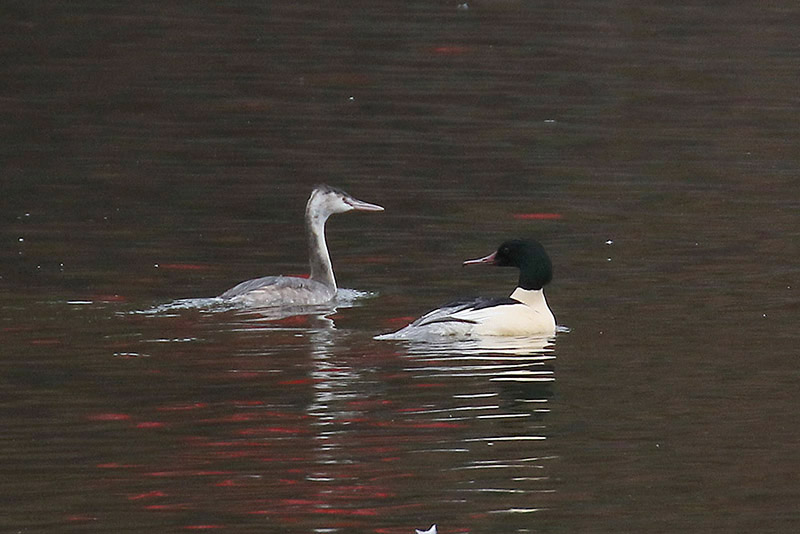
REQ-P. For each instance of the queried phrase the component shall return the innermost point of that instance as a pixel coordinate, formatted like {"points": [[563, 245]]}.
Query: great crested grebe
{"points": [[524, 313], [320, 286]]}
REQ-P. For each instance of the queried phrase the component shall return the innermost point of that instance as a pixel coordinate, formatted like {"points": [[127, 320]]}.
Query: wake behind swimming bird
{"points": [[524, 313]]}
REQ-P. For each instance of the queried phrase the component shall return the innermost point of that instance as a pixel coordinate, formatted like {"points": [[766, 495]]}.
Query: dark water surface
{"points": [[161, 150]]}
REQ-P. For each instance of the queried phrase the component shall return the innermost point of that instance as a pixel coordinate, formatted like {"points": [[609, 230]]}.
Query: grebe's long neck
{"points": [[318, 257]]}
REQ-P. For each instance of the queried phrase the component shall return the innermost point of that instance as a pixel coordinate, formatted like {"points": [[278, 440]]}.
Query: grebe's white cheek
{"points": [[336, 205]]}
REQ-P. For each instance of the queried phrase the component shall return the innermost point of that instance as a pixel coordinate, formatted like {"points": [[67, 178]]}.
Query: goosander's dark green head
{"points": [[528, 255]]}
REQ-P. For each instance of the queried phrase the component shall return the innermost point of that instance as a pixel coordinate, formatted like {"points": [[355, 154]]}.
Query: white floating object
{"points": [[431, 530]]}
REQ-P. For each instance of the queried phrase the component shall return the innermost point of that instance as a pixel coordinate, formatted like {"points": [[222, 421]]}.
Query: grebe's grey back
{"points": [[524, 313], [320, 287]]}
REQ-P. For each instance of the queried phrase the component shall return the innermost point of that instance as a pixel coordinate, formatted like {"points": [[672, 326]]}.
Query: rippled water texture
{"points": [[157, 152]]}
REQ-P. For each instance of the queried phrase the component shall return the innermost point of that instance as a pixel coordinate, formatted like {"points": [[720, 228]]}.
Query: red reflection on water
{"points": [[241, 415], [81, 517], [236, 454], [235, 418], [147, 495], [108, 417], [186, 473], [345, 511], [115, 465], [14, 329], [234, 444], [271, 430], [295, 320], [182, 407], [366, 403], [150, 424], [246, 402], [300, 502], [298, 382], [168, 507], [272, 465]]}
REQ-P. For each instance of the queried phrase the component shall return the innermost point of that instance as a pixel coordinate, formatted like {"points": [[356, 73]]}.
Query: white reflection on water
{"points": [[496, 345], [499, 388], [514, 359]]}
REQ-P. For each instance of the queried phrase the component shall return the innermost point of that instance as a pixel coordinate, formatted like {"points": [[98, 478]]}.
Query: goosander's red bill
{"points": [[486, 259], [360, 205]]}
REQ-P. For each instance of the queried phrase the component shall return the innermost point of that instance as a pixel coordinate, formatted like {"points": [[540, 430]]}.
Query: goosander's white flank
{"points": [[320, 287], [524, 313]]}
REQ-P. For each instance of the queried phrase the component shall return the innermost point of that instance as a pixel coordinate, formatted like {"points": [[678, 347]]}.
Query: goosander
{"points": [[524, 313], [320, 287]]}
